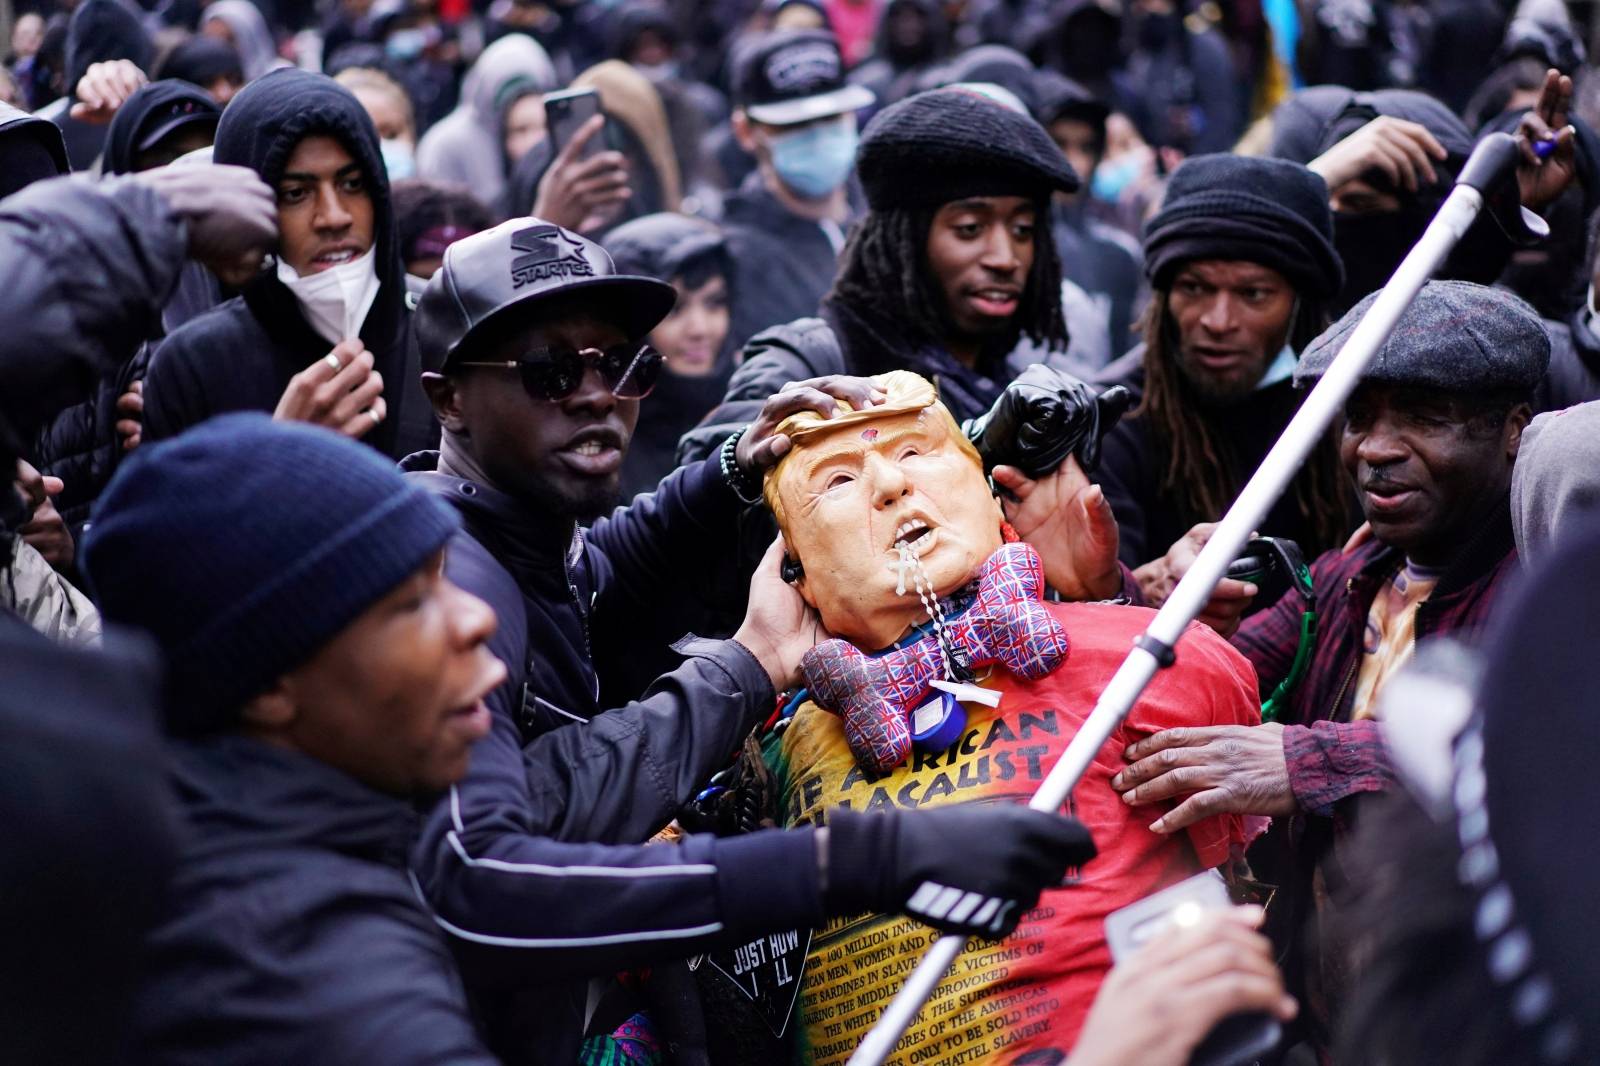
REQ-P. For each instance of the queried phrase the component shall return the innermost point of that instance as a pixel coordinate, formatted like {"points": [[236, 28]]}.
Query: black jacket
{"points": [[295, 934], [1131, 467], [100, 30], [88, 844], [84, 270], [535, 863], [1574, 374], [80, 445], [241, 355], [783, 264]]}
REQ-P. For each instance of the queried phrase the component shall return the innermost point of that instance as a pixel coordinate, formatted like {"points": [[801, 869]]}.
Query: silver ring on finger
{"points": [[377, 419], [333, 360]]}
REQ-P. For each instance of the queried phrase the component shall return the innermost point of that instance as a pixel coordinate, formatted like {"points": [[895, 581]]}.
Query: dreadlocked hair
{"points": [[885, 269], [1197, 477]]}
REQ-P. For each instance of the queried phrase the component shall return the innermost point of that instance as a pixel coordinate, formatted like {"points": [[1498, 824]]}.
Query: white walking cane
{"points": [[1485, 177]]}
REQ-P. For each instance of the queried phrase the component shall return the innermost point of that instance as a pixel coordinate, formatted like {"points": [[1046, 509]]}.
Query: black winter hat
{"points": [[1266, 211], [525, 265], [949, 144], [245, 545], [1456, 336]]}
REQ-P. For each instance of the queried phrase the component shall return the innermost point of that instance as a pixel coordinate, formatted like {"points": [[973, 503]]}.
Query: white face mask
{"points": [[335, 301]]}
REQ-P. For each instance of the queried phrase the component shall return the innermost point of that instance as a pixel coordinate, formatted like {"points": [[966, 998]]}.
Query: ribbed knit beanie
{"points": [[1267, 211], [948, 144], [245, 545]]}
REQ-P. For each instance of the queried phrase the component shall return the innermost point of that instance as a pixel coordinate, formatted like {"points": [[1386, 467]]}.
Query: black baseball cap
{"points": [[796, 76], [172, 116], [523, 266]]}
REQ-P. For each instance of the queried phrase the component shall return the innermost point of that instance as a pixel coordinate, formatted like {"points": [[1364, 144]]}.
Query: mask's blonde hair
{"points": [[905, 392]]}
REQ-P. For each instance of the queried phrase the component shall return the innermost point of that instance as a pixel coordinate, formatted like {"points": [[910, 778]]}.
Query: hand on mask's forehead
{"points": [[849, 497]]}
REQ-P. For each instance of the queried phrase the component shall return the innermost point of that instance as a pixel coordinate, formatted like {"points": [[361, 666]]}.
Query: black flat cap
{"points": [[949, 144], [1456, 336]]}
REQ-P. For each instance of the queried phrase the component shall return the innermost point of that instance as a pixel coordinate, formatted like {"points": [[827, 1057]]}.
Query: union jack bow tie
{"points": [[1007, 625]]}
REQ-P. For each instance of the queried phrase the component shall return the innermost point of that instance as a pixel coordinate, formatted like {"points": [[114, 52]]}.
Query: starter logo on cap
{"points": [[549, 252], [808, 68]]}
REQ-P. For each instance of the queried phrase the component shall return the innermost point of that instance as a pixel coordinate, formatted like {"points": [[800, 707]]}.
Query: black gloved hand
{"points": [[966, 868], [1044, 416]]}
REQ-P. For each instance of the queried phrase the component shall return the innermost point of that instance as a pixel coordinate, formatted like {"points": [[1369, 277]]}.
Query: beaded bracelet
{"points": [[737, 479]]}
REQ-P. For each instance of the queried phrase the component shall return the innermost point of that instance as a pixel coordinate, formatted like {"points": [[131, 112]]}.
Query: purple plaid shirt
{"points": [[1329, 756]]}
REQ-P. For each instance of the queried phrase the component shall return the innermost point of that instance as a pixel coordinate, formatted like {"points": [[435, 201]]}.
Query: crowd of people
{"points": [[569, 531]]}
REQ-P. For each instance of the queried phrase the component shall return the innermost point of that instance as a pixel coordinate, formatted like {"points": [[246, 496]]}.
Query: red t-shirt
{"points": [[1031, 991]]}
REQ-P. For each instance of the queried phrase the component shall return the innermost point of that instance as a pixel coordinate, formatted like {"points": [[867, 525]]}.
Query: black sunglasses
{"points": [[554, 372]]}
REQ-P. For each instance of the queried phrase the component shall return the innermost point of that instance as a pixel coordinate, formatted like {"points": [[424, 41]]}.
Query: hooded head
{"points": [[1374, 222], [271, 116], [158, 123], [241, 24], [914, 32], [212, 64], [514, 57], [31, 149], [103, 30]]}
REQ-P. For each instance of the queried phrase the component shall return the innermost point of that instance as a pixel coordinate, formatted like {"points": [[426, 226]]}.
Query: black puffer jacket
{"points": [[81, 445], [241, 355]]}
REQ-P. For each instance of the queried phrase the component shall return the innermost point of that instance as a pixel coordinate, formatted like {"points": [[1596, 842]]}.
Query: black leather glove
{"points": [[966, 868], [1044, 416]]}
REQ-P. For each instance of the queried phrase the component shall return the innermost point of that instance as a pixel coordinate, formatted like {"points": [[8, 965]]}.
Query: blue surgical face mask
{"points": [[1111, 177], [398, 160], [816, 160]]}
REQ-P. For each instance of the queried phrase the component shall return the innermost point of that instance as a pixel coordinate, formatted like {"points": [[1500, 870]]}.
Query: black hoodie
{"points": [[31, 150], [240, 356], [100, 30], [1372, 246]]}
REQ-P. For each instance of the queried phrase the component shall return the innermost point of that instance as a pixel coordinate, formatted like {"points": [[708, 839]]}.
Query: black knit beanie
{"points": [[949, 144], [1266, 211], [245, 545]]}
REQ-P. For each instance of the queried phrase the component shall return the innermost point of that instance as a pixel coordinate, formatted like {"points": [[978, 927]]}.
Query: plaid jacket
{"points": [[1332, 759], [1329, 756]]}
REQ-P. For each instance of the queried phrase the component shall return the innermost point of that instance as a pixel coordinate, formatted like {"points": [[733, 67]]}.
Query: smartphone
{"points": [[565, 114], [1237, 1040]]}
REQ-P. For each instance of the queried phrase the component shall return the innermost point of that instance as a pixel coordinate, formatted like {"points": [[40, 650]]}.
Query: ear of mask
{"points": [[335, 301]]}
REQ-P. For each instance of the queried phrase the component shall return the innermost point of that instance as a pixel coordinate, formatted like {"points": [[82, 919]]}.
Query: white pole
{"points": [[1316, 414]]}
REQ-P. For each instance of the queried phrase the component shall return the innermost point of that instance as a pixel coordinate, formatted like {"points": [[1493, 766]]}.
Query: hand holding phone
{"points": [[567, 113], [1187, 956], [585, 186]]}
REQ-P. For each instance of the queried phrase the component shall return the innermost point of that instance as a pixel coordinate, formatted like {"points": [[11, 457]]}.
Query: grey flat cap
{"points": [[1455, 336]]}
